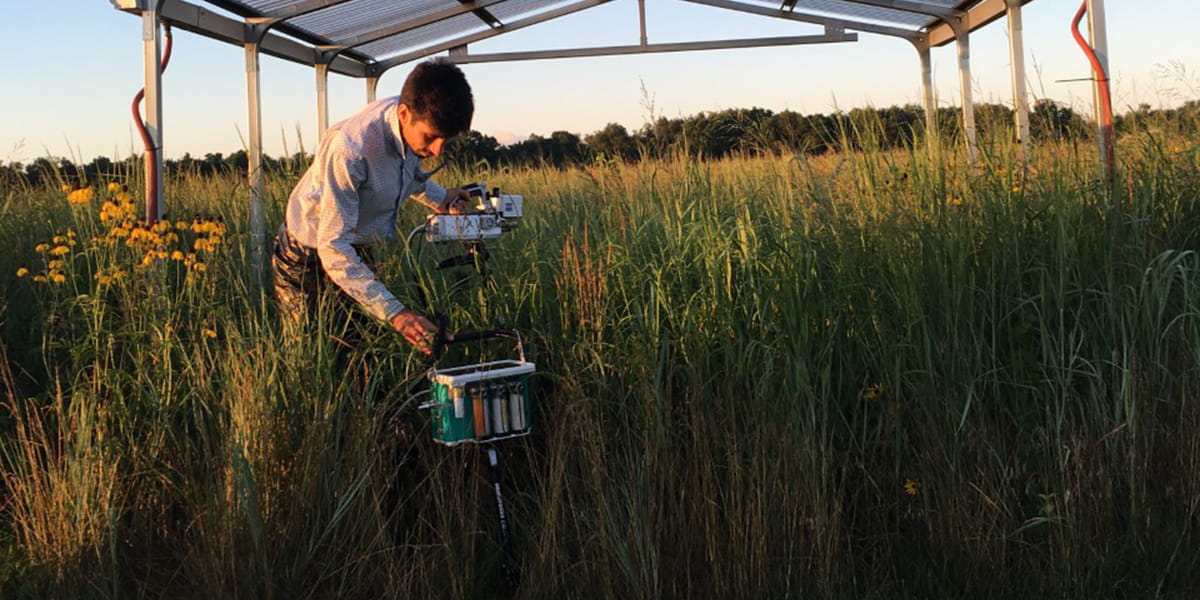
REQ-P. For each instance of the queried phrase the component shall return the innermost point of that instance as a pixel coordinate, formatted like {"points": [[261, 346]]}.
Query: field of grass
{"points": [[868, 375]]}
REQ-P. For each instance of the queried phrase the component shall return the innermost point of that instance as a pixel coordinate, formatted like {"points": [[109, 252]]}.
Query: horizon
{"points": [[136, 154]]}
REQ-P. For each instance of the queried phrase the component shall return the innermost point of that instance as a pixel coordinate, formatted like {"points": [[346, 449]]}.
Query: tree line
{"points": [[706, 135]]}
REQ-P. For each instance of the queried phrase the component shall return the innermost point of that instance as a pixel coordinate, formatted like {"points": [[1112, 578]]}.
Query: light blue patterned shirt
{"points": [[349, 197]]}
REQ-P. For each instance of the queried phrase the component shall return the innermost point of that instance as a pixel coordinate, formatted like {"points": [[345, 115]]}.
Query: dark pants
{"points": [[303, 288]]}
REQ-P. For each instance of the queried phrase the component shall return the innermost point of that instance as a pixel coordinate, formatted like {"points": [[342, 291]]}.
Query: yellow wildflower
{"points": [[910, 487], [181, 224], [40, 278], [114, 186], [21, 272], [65, 187], [81, 196], [103, 279], [199, 267], [41, 248], [124, 198], [59, 278], [59, 239], [177, 255], [109, 212], [54, 264], [208, 333], [60, 250]]}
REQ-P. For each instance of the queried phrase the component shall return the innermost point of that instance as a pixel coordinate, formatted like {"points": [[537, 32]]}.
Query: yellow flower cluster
{"points": [[119, 208], [1019, 178], [82, 195], [162, 241], [190, 243], [55, 256], [110, 276]]}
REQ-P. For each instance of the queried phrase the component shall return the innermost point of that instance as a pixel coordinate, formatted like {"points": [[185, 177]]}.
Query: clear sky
{"points": [[76, 64]]}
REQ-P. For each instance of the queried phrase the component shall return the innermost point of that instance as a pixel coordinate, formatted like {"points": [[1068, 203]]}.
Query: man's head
{"points": [[435, 105]]}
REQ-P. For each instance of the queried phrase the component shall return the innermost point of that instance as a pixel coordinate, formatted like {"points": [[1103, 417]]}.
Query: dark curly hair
{"points": [[437, 92]]}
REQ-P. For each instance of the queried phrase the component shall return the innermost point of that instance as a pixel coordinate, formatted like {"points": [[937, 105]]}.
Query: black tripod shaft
{"points": [[512, 573]]}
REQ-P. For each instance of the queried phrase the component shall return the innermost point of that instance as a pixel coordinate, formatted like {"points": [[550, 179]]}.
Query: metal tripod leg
{"points": [[512, 573]]}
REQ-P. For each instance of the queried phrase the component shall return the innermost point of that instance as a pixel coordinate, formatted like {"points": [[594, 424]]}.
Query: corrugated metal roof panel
{"points": [[425, 36], [354, 22]]}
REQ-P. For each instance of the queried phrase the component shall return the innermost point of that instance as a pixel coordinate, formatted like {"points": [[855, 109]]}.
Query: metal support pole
{"points": [[963, 42], [1098, 37], [372, 88], [152, 72], [642, 20], [931, 128], [254, 106], [1016, 57], [322, 99]]}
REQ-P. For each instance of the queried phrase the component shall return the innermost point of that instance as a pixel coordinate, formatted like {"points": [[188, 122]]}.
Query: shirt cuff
{"points": [[392, 309]]}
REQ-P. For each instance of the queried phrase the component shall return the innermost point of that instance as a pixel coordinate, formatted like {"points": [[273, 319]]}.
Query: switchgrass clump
{"points": [[879, 373]]}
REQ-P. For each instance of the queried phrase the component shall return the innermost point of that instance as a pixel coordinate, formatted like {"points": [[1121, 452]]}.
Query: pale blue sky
{"points": [[76, 64]]}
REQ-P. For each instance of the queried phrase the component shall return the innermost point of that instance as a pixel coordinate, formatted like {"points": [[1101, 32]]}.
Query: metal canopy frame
{"points": [[366, 38]]}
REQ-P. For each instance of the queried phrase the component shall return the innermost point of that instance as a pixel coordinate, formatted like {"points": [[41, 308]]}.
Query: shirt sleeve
{"points": [[429, 192], [337, 219]]}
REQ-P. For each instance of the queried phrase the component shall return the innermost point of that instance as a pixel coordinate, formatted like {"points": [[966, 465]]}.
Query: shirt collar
{"points": [[393, 120]]}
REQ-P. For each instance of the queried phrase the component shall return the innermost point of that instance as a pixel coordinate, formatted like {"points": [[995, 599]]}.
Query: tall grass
{"points": [[872, 374]]}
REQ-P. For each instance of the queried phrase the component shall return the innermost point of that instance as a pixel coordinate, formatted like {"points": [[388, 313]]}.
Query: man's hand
{"points": [[417, 330], [457, 202]]}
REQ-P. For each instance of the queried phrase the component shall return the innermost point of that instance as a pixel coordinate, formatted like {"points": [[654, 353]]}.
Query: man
{"points": [[347, 200]]}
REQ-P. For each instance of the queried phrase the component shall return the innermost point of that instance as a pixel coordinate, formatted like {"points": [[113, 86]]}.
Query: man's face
{"points": [[420, 135]]}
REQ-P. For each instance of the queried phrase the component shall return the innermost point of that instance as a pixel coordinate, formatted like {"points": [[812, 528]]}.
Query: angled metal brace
{"points": [[804, 18], [484, 15], [829, 37], [380, 67], [977, 16]]}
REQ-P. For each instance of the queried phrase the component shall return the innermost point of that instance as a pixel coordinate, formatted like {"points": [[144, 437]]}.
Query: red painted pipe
{"points": [[151, 150], [1106, 112]]}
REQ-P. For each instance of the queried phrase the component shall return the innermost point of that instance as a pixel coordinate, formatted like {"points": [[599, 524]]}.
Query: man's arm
{"points": [[443, 201], [337, 218]]}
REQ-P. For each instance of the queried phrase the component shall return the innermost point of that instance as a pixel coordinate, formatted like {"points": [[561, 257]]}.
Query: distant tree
{"points": [[612, 141], [1051, 120], [12, 176], [474, 148], [40, 172], [660, 137], [559, 150]]}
